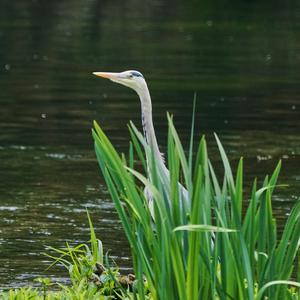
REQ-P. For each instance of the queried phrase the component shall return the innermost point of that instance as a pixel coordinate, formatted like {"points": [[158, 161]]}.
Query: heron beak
{"points": [[107, 75]]}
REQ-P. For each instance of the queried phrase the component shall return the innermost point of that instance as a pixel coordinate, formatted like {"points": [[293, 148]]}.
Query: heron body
{"points": [[135, 80]]}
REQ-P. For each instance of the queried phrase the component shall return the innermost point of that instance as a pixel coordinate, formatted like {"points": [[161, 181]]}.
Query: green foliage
{"points": [[90, 279], [81, 260], [86, 269], [212, 245], [79, 292]]}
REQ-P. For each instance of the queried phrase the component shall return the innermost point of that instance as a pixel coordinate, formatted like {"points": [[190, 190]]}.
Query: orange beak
{"points": [[107, 75]]}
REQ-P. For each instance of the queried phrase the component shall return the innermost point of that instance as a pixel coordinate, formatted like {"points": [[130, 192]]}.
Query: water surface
{"points": [[241, 58]]}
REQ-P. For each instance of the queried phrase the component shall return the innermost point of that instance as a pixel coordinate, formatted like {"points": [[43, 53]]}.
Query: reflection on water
{"points": [[243, 66]]}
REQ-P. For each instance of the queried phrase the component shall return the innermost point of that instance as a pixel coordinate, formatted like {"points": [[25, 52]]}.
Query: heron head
{"points": [[132, 79]]}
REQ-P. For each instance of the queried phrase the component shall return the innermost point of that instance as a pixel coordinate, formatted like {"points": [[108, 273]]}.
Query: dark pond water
{"points": [[241, 57]]}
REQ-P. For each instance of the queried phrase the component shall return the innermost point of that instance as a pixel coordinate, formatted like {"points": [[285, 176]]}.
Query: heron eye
{"points": [[130, 76]]}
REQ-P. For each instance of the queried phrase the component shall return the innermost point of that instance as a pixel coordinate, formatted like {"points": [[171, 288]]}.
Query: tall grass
{"points": [[215, 245]]}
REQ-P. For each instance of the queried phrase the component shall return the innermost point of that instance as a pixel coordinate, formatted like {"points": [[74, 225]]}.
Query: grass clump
{"points": [[91, 276], [206, 243]]}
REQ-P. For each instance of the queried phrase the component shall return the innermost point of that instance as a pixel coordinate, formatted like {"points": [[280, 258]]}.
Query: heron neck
{"points": [[147, 122]]}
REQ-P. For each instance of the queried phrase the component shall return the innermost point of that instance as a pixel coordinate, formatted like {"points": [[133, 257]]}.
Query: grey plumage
{"points": [[135, 80]]}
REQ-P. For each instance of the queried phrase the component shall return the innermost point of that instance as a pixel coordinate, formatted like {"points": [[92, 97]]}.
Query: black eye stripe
{"points": [[137, 74]]}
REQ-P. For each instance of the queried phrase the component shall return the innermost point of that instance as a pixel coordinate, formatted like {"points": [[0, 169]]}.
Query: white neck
{"points": [[147, 123]]}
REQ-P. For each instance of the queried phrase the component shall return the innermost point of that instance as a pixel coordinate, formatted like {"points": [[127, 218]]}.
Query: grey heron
{"points": [[136, 81]]}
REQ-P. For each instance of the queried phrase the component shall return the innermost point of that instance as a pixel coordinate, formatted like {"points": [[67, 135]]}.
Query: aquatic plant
{"points": [[81, 260], [219, 246], [90, 274], [78, 292], [89, 270]]}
